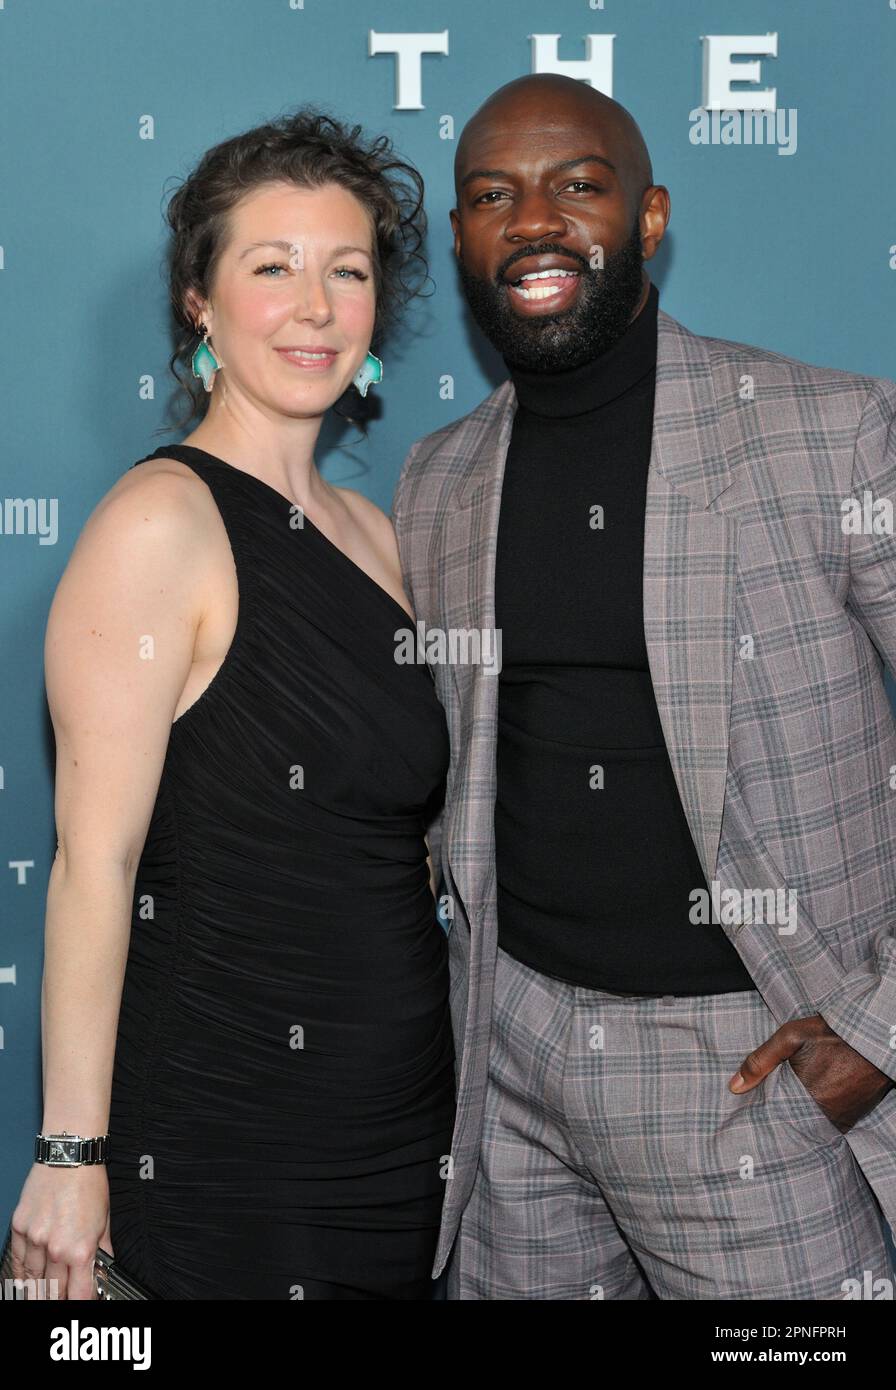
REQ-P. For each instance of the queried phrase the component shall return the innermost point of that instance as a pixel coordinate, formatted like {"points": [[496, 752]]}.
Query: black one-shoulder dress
{"points": [[283, 1089]]}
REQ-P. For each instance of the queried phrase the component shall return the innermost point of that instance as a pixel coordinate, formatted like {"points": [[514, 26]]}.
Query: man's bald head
{"points": [[539, 104], [554, 181]]}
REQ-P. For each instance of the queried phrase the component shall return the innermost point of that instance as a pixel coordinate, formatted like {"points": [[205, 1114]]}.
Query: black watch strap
{"points": [[69, 1150]]}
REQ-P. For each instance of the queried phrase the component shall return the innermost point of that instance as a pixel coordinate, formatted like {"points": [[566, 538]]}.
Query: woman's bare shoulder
{"points": [[158, 479], [155, 520]]}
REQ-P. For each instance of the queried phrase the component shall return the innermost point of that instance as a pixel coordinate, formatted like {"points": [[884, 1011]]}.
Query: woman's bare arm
{"points": [[119, 646]]}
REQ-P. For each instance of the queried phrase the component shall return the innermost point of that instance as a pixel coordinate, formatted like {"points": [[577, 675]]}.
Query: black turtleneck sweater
{"points": [[595, 860]]}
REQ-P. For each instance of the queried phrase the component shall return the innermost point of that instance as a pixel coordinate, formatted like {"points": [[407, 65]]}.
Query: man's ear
{"points": [[454, 218]]}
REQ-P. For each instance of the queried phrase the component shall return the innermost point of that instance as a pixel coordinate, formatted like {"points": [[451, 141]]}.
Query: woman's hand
{"points": [[61, 1218]]}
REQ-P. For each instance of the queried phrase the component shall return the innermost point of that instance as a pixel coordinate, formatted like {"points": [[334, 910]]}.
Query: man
{"points": [[669, 833]]}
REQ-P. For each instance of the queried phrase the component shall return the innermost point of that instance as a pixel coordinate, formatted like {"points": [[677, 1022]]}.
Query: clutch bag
{"points": [[111, 1282]]}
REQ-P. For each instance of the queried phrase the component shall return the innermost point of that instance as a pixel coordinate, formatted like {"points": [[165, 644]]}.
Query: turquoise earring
{"points": [[370, 373], [204, 361]]}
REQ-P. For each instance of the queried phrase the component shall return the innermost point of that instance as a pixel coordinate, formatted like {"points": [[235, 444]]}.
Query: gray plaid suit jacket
{"points": [[783, 745]]}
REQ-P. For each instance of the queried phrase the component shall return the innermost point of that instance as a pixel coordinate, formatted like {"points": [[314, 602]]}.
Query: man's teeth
{"points": [[541, 291], [547, 274]]}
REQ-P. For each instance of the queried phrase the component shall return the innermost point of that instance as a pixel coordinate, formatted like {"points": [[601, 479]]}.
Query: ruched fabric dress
{"points": [[283, 1090]]}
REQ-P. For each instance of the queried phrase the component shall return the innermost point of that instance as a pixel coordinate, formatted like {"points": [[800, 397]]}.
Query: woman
{"points": [[244, 777]]}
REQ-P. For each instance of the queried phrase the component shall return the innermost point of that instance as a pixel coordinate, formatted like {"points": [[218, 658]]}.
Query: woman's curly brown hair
{"points": [[308, 148]]}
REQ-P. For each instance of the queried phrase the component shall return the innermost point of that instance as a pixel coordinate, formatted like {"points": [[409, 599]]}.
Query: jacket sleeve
{"points": [[862, 1008], [402, 522]]}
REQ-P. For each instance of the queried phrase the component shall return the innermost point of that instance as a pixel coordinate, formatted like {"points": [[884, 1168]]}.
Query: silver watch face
{"points": [[64, 1151]]}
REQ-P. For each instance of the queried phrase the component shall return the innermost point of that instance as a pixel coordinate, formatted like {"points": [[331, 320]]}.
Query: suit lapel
{"points": [[467, 601], [690, 581], [690, 570]]}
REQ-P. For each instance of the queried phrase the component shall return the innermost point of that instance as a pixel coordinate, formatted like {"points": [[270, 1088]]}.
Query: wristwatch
{"points": [[70, 1150]]}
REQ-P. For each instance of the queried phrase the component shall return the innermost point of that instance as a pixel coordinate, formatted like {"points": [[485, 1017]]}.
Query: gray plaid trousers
{"points": [[615, 1163]]}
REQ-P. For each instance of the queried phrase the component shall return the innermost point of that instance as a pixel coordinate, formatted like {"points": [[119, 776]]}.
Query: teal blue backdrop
{"points": [[789, 245]]}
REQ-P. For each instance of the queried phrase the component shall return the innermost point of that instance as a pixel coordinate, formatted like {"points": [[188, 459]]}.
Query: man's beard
{"points": [[552, 342]]}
